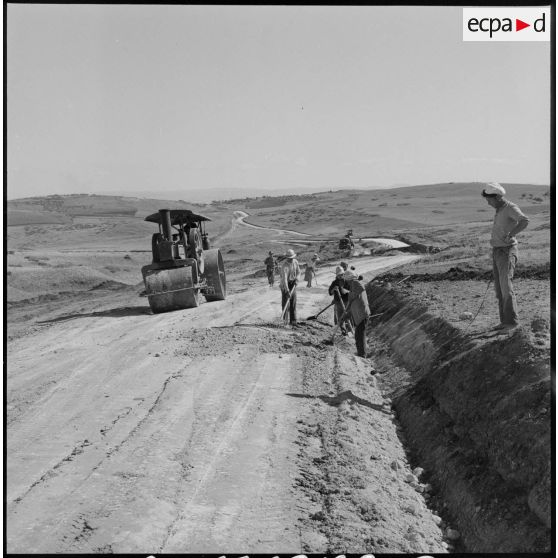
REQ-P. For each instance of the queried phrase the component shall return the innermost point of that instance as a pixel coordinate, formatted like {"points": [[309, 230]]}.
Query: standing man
{"points": [[359, 309], [310, 272], [508, 221], [290, 270], [270, 265]]}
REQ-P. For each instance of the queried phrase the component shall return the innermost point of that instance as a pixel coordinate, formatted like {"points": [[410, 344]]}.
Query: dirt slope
{"points": [[129, 432]]}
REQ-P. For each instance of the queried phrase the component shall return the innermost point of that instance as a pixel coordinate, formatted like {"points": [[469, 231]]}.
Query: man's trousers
{"points": [[504, 260]]}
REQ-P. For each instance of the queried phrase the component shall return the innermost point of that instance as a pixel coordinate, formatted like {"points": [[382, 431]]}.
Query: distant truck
{"points": [[347, 243]]}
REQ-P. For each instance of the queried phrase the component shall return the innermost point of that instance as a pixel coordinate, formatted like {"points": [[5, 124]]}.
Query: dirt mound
{"points": [[464, 272], [418, 246], [476, 412]]}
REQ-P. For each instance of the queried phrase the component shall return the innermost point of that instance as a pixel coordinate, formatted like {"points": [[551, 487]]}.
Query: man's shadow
{"points": [[347, 395]]}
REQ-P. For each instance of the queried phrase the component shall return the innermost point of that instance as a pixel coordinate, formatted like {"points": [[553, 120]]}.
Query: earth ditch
{"points": [[474, 407]]}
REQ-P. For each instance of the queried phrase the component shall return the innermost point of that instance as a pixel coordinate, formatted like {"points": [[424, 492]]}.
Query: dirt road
{"points": [[204, 430]]}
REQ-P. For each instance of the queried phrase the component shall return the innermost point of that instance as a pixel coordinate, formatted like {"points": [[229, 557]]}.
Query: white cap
{"points": [[290, 254], [493, 189]]}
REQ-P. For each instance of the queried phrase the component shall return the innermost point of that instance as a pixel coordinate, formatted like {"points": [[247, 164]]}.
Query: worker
{"points": [[310, 272], [270, 265], [358, 308], [508, 221], [288, 279], [340, 294], [349, 237]]}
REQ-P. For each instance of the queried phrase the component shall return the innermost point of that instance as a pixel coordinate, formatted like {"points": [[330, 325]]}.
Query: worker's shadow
{"points": [[348, 395], [111, 313]]}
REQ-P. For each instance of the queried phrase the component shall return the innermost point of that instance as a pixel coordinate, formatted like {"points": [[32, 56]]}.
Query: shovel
{"points": [[320, 312], [338, 325], [344, 309], [330, 341], [315, 278]]}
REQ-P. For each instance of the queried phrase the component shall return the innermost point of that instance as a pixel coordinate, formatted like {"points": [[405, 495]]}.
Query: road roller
{"points": [[184, 265]]}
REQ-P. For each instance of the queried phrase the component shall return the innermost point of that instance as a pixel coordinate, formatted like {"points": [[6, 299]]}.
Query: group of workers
{"points": [[348, 291], [349, 294], [271, 268]]}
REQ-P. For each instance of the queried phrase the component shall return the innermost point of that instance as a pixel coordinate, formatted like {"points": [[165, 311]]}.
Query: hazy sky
{"points": [[139, 97]]}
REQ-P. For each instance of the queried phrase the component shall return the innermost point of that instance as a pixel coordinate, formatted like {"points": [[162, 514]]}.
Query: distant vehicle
{"points": [[347, 243], [183, 263]]}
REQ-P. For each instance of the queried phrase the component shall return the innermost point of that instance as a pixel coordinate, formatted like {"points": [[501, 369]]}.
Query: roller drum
{"points": [[171, 289]]}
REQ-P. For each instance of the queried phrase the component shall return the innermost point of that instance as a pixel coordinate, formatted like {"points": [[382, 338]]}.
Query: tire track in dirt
{"points": [[231, 440]]}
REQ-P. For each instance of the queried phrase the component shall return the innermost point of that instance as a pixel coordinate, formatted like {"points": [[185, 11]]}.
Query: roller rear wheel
{"points": [[215, 275]]}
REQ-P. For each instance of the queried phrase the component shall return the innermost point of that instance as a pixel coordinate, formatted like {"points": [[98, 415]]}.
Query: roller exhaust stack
{"points": [[166, 223]]}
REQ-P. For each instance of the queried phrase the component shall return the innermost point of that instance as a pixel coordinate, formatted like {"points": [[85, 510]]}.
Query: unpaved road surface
{"points": [[206, 430]]}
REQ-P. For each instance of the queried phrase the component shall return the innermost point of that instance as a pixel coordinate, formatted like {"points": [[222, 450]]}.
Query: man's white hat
{"points": [[290, 254], [493, 189], [339, 270]]}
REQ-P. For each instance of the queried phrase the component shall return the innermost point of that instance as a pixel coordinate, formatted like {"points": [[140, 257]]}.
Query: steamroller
{"points": [[184, 265]]}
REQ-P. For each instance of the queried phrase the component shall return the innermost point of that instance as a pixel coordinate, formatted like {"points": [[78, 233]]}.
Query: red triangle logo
{"points": [[519, 25]]}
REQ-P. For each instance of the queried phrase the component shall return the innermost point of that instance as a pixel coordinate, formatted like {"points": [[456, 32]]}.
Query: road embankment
{"points": [[476, 413]]}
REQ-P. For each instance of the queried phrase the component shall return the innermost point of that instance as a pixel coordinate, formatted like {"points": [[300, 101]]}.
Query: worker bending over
{"points": [[340, 293]]}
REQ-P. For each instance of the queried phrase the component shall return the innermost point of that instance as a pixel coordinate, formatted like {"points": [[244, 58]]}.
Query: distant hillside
{"points": [[58, 209], [326, 212], [207, 195], [384, 211]]}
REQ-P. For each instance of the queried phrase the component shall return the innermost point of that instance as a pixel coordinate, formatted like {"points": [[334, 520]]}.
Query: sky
{"points": [[105, 98]]}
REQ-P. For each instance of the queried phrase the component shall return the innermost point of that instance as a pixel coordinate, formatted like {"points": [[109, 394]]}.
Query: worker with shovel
{"points": [[340, 294], [358, 308], [288, 279]]}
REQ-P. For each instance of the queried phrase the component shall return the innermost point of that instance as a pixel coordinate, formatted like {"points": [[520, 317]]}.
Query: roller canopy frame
{"points": [[178, 217]]}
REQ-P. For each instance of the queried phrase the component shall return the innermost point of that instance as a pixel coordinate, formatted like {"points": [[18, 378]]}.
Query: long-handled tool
{"points": [[287, 304], [336, 328], [320, 312], [315, 278], [344, 309], [338, 325]]}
